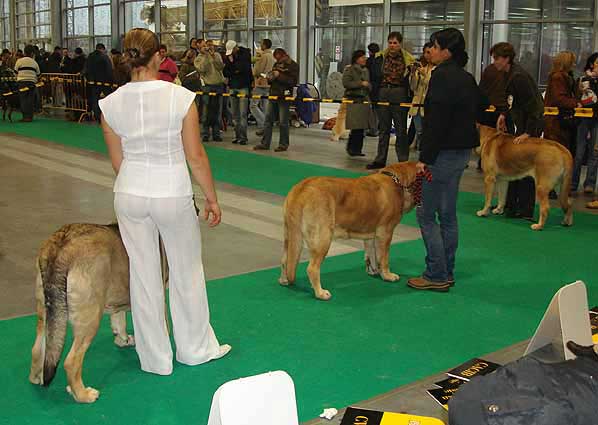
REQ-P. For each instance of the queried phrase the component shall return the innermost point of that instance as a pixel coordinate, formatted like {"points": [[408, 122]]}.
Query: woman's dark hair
{"points": [[428, 45], [140, 45], [452, 39], [356, 55], [590, 61]]}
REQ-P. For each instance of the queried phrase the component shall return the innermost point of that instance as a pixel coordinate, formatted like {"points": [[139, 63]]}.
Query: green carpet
{"points": [[370, 338], [245, 169]]}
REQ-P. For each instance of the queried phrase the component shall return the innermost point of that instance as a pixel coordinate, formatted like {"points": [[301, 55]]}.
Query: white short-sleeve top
{"points": [[148, 117]]}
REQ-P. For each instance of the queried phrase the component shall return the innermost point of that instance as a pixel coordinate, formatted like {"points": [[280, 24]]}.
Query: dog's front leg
{"points": [[118, 323], [383, 239], [489, 182], [371, 261]]}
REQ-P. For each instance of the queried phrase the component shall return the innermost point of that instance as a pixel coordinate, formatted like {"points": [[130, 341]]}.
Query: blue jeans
{"points": [[258, 106], [282, 109], [239, 107], [418, 122], [586, 125], [439, 200]]}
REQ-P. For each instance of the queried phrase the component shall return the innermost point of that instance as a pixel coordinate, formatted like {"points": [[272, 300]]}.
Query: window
{"points": [[429, 10], [349, 12], [415, 36], [334, 47], [33, 24], [539, 29], [87, 23], [224, 15], [277, 21], [173, 24], [140, 14], [5, 24]]}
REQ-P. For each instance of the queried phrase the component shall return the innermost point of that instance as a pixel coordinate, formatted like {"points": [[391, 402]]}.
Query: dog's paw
{"points": [[87, 395], [324, 295], [120, 341], [482, 213], [498, 211], [283, 281], [390, 277], [567, 222], [536, 226], [36, 378], [370, 268]]}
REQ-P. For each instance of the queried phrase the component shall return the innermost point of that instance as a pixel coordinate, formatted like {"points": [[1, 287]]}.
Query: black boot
{"points": [[582, 350]]}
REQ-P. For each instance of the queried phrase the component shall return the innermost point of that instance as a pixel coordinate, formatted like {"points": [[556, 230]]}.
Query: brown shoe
{"points": [[261, 148], [280, 149], [421, 283], [588, 190]]}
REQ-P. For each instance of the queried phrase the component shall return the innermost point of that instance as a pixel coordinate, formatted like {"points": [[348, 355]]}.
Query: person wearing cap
{"points": [[168, 69], [237, 69], [282, 79], [210, 66]]}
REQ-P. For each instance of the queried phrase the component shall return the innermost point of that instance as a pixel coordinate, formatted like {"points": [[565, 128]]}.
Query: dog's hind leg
{"points": [[118, 323], [542, 197], [371, 261], [319, 244], [83, 332], [38, 350], [501, 187]]}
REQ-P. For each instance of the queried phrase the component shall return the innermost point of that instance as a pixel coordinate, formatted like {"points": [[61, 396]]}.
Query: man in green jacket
{"points": [[210, 65], [394, 89]]}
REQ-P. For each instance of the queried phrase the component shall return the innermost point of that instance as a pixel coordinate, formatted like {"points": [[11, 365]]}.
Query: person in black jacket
{"points": [[98, 69], [452, 105], [374, 66], [237, 69], [527, 112]]}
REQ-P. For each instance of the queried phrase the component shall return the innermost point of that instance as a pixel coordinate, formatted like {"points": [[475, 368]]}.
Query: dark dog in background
{"points": [[8, 84]]}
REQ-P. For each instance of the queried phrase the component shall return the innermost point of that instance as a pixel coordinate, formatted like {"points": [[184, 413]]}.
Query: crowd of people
{"points": [[391, 75], [394, 76]]}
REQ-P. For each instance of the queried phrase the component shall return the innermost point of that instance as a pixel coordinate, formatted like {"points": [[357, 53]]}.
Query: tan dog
{"points": [[82, 272], [339, 131], [320, 209], [548, 162]]}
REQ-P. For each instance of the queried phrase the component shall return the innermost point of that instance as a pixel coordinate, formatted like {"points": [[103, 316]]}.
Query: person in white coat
{"points": [[151, 130]]}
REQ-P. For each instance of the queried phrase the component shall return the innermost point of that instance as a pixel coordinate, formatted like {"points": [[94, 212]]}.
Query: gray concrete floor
{"points": [[47, 185]]}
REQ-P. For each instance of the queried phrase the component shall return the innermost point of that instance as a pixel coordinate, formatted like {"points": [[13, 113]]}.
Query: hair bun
{"points": [[133, 53]]}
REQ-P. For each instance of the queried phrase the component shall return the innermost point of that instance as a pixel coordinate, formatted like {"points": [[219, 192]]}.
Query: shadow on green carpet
{"points": [[370, 338]]}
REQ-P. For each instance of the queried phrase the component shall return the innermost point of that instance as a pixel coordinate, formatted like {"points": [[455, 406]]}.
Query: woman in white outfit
{"points": [[152, 132]]}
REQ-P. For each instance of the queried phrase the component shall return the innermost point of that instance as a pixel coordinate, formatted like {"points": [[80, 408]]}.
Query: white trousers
{"points": [[140, 221]]}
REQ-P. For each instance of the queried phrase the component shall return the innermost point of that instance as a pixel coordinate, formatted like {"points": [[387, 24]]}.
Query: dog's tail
{"points": [[53, 278], [293, 241]]}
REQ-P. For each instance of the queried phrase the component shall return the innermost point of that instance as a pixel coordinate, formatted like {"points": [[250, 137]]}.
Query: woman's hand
{"points": [[365, 83], [420, 167], [521, 138], [212, 213], [501, 123]]}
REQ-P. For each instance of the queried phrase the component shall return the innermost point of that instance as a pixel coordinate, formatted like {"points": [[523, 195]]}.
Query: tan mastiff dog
{"points": [[548, 162], [82, 272], [320, 209]]}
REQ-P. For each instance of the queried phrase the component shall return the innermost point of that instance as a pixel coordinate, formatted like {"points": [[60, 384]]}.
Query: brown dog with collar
{"points": [[548, 162], [320, 209]]}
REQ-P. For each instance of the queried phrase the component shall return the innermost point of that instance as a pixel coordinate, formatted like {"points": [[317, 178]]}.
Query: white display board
{"points": [[266, 399], [565, 319]]}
